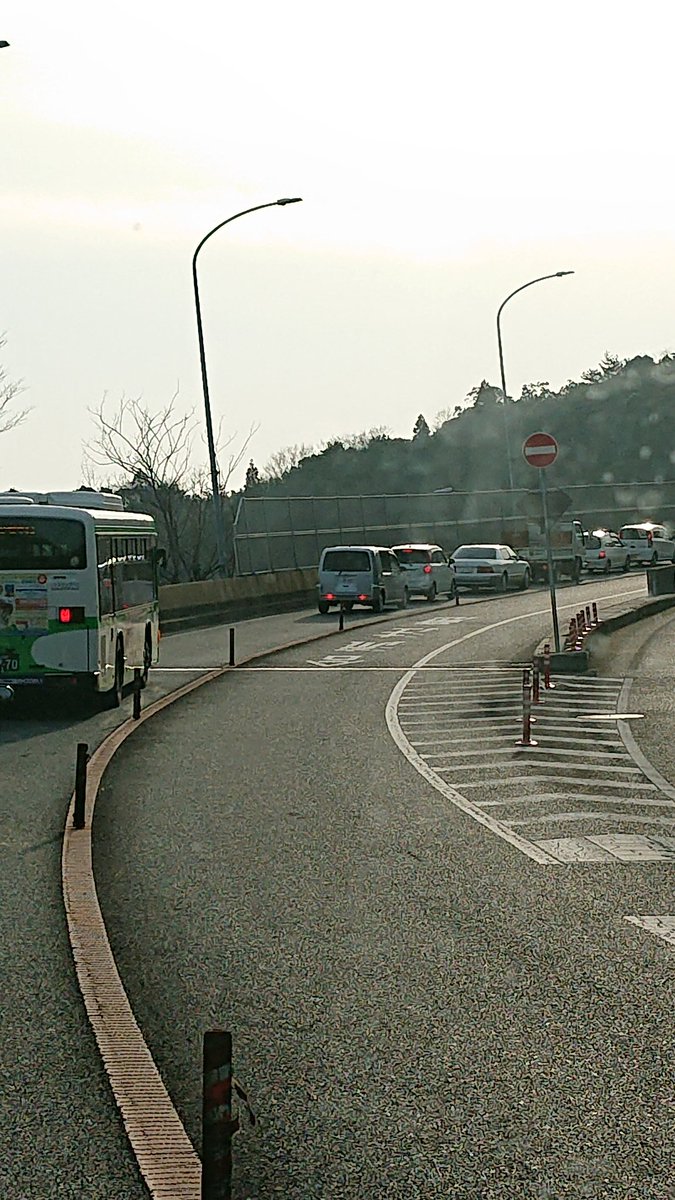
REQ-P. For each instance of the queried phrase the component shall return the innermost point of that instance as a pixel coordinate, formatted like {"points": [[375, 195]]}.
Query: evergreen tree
{"points": [[252, 475], [420, 429]]}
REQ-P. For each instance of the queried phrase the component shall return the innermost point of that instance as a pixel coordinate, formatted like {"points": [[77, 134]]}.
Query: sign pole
{"points": [[549, 559]]}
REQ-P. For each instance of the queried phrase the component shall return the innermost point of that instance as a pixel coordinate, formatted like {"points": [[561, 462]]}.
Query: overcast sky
{"points": [[445, 153]]}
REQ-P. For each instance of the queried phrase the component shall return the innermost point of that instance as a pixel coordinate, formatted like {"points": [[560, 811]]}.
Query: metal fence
{"points": [[286, 533]]}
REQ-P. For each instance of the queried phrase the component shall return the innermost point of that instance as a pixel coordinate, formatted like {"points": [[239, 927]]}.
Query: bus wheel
{"points": [[147, 658]]}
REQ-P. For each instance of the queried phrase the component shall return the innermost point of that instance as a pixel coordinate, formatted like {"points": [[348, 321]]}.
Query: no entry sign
{"points": [[540, 449]]}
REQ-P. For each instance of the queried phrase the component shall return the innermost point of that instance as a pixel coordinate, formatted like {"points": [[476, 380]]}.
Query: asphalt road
{"points": [[60, 1134], [419, 1009]]}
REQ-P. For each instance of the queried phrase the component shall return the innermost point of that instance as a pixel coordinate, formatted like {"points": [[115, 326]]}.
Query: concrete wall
{"points": [[183, 605]]}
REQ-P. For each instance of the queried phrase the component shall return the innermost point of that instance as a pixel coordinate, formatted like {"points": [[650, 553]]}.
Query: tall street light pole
{"points": [[213, 462], [540, 279]]}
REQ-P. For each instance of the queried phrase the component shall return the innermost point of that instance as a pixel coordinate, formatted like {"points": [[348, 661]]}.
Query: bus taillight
{"points": [[71, 616]]}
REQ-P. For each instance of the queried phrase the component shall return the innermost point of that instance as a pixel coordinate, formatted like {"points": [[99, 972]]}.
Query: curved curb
{"points": [[166, 1158]]}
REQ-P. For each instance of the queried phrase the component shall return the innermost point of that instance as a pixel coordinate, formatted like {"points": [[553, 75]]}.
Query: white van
{"points": [[648, 542], [369, 575]]}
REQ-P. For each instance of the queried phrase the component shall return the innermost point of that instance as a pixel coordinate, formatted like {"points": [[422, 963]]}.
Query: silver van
{"points": [[369, 575]]}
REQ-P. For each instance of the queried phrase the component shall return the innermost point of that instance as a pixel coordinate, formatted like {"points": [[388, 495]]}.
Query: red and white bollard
{"points": [[536, 694], [547, 666], [526, 739], [581, 622], [589, 623], [571, 639], [595, 614]]}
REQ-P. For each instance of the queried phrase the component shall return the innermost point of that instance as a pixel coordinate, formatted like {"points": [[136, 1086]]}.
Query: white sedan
{"points": [[490, 566]]}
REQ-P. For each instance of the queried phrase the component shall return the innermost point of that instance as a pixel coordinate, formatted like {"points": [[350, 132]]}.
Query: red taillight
{"points": [[362, 597], [71, 616], [427, 569], [330, 596], [406, 551], [602, 554]]}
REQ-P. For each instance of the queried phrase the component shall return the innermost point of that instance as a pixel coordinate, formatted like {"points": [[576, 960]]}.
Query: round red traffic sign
{"points": [[540, 449]]}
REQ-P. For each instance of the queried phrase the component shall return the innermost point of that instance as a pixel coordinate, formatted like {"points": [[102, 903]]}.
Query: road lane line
{"points": [[662, 927]]}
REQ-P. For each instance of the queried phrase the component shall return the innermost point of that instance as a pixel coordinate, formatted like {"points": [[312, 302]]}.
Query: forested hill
{"points": [[616, 424]]}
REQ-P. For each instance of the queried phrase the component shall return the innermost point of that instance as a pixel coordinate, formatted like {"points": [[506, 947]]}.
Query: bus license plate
{"points": [[8, 664]]}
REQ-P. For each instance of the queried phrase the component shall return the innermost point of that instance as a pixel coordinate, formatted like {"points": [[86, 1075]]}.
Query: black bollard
{"points": [[232, 660], [80, 784], [136, 711]]}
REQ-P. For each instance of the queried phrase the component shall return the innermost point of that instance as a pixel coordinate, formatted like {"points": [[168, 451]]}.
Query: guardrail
{"points": [[212, 601]]}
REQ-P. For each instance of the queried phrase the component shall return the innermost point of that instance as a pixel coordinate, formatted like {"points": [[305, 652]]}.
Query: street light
{"points": [[215, 486], [540, 279]]}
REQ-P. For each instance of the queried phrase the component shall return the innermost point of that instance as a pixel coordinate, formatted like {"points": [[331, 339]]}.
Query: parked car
{"points": [[604, 551], [490, 566], [427, 570], [370, 575], [648, 542]]}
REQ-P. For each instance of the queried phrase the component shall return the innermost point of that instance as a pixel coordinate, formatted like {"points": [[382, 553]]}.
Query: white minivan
{"points": [[648, 542], [369, 575]]}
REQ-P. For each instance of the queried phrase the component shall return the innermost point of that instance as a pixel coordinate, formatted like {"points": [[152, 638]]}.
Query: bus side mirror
{"points": [[160, 557]]}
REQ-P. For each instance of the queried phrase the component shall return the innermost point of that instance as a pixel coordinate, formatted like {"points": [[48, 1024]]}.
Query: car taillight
{"points": [[602, 554], [71, 616], [362, 597], [427, 569], [330, 596]]}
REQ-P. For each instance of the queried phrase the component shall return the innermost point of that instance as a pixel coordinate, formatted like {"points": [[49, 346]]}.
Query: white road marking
{"points": [[179, 670], [663, 927], [547, 750], [547, 797], [614, 716], [596, 783], [621, 847], [635, 751], [593, 815], [541, 764]]}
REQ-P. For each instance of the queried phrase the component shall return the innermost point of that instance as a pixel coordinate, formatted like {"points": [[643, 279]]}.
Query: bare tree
{"points": [[284, 460], [151, 454], [9, 390]]}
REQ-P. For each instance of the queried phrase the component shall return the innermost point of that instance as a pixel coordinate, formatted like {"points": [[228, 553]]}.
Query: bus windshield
{"points": [[34, 544]]}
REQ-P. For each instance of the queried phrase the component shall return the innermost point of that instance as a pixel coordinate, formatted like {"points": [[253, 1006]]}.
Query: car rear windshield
{"points": [[346, 560], [475, 552], [632, 531], [38, 544], [413, 556], [592, 542]]}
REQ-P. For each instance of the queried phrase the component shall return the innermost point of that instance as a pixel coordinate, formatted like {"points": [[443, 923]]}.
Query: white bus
{"points": [[79, 602]]}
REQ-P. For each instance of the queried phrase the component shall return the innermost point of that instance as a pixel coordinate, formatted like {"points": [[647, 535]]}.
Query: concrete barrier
{"points": [[215, 601]]}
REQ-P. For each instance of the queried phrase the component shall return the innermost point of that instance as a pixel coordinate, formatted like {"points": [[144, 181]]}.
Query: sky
{"points": [[445, 154]]}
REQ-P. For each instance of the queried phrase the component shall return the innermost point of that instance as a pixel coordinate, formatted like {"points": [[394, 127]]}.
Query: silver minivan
{"points": [[369, 575]]}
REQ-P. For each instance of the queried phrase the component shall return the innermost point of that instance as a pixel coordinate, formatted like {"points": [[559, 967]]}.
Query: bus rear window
{"points": [[41, 545]]}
